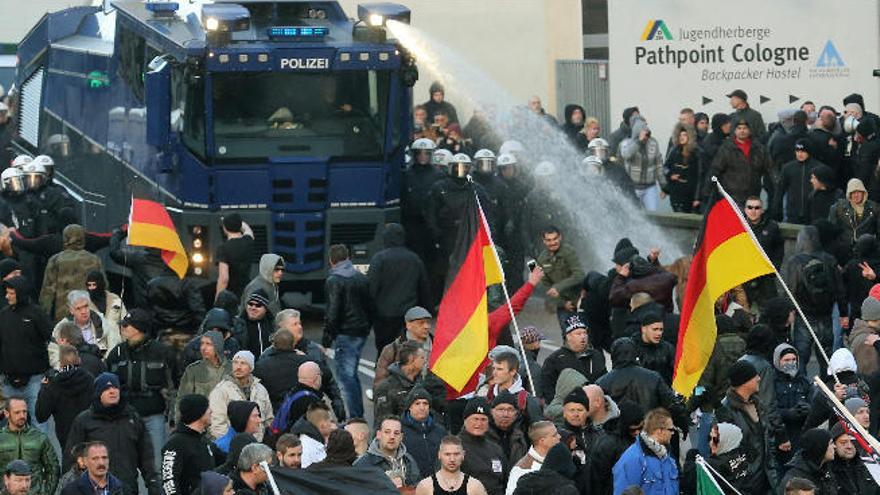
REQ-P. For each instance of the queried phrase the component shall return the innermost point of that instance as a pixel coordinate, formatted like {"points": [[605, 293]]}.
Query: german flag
{"points": [[149, 225], [726, 255], [461, 336]]}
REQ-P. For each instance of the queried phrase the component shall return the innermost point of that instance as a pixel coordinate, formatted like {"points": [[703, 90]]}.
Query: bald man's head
{"points": [[596, 396], [309, 373]]}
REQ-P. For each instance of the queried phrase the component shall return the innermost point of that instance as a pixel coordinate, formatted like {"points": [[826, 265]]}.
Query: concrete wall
{"points": [[516, 42]]}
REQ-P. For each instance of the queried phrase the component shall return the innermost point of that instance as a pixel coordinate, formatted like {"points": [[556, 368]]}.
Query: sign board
{"points": [[669, 54]]}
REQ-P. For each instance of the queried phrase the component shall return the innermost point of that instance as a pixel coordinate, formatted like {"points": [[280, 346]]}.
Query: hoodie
{"points": [[400, 465], [729, 437], [25, 336], [570, 128], [397, 276], [642, 161], [66, 271], [264, 280], [569, 379], [842, 360]]}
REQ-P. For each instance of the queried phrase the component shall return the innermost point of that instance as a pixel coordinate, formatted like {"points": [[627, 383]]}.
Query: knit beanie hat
{"points": [[238, 412], [504, 397], [578, 396], [477, 405], [104, 381], [246, 356], [417, 392], [192, 407], [870, 309], [740, 372], [814, 444]]}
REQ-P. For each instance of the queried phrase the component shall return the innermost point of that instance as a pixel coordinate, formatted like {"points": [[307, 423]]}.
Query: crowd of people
{"points": [[177, 397]]}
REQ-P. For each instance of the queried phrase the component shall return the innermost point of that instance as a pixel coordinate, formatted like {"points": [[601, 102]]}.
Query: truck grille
{"points": [[352, 233]]}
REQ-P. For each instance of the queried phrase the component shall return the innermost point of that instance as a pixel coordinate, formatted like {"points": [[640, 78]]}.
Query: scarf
{"points": [[653, 445]]}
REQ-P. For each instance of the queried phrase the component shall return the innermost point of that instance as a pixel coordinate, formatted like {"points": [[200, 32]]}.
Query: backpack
{"points": [[816, 288], [280, 423]]}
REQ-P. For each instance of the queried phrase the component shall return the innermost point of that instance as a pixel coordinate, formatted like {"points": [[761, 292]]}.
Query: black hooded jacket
{"points": [[176, 303], [25, 336], [63, 397], [398, 278], [571, 129], [629, 381], [145, 264], [611, 445]]}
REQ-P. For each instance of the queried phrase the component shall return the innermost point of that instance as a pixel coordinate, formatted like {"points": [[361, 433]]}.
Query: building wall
{"points": [[20, 16], [515, 42]]}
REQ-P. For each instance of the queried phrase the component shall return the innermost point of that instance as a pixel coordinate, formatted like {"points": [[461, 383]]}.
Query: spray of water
{"points": [[595, 208]]}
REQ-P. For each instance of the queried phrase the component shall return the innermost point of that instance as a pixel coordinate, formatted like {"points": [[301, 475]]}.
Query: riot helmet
{"points": [[510, 146], [34, 175], [599, 148], [460, 166], [485, 161], [13, 181], [441, 159], [48, 164], [59, 145], [422, 150], [591, 165], [21, 160]]}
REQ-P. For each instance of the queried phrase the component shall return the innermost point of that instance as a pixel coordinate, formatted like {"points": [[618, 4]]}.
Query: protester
{"points": [[450, 478], [187, 453], [388, 453], [20, 440]]}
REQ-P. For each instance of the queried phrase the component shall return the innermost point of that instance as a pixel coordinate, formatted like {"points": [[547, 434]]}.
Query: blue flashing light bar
{"points": [[297, 32], [162, 7]]}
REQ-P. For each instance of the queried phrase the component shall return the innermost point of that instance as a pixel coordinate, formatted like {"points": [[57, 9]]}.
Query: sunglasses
{"points": [[754, 207], [254, 305]]}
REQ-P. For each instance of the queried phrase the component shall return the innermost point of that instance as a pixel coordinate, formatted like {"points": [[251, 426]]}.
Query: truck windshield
{"points": [[271, 114]]}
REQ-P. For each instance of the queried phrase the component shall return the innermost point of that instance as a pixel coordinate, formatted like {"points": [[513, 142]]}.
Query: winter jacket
{"points": [[782, 148], [265, 282], [822, 150], [185, 456], [277, 371], [176, 303], [792, 401], [642, 161], [866, 250], [448, 200], [563, 272], [513, 441], [656, 282], [639, 466], [866, 355], [656, 357], [820, 476], [820, 407], [202, 376], [622, 133], [754, 119], [227, 391], [607, 449], [852, 476], [770, 238], [66, 271], [590, 363], [402, 464], [64, 396], [794, 190], [821, 202], [147, 372], [843, 216], [568, 380], [328, 383], [25, 335], [729, 347], [485, 462], [686, 188], [757, 439], [628, 380], [82, 485], [32, 446], [145, 264], [742, 177], [349, 308], [570, 128], [398, 278], [123, 431], [390, 354], [390, 395], [107, 335], [807, 249], [422, 440]]}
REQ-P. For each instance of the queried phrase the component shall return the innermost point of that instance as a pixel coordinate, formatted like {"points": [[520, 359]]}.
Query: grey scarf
{"points": [[658, 449]]}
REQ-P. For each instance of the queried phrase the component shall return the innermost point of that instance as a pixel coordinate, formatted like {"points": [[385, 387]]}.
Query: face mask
{"points": [[790, 369]]}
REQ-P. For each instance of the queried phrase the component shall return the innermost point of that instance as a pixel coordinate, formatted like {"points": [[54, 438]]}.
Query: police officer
{"points": [[448, 203], [496, 190], [510, 233], [417, 182], [616, 174], [18, 209], [57, 208], [441, 160], [147, 371]]}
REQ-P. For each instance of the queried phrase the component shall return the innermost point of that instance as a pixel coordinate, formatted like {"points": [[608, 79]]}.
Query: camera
{"points": [[532, 264]]}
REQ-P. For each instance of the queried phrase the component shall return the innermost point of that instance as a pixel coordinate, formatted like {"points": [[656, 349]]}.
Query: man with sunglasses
{"points": [[647, 462], [267, 280], [767, 232]]}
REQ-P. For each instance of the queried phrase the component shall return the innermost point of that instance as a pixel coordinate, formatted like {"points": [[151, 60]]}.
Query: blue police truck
{"points": [[287, 112]]}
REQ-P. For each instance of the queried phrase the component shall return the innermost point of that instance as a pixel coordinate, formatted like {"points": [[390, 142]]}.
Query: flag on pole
{"points": [[461, 336], [706, 483], [726, 255], [149, 225]]}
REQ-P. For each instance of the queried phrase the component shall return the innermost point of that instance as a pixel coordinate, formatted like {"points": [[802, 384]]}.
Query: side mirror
{"points": [[157, 86]]}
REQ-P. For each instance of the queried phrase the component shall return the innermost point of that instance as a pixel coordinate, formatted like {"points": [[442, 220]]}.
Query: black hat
{"points": [[802, 144], [104, 381], [504, 397], [739, 94], [436, 87], [719, 119], [18, 467], [837, 430], [573, 323], [578, 396], [631, 413], [866, 127], [814, 444], [417, 392], [259, 296], [624, 255], [740, 372], [140, 319], [477, 405], [7, 266], [232, 222], [651, 318], [761, 338], [192, 407], [627, 113], [238, 412]]}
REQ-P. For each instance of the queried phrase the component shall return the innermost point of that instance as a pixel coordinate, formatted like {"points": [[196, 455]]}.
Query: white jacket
{"points": [[227, 391]]}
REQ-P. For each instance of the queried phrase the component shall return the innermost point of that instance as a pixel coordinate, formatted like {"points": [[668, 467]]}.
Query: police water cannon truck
{"points": [[286, 112]]}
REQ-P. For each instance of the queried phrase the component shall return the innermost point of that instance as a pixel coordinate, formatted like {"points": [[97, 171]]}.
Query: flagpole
{"points": [[715, 474], [272, 484], [797, 306], [848, 415], [518, 344]]}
